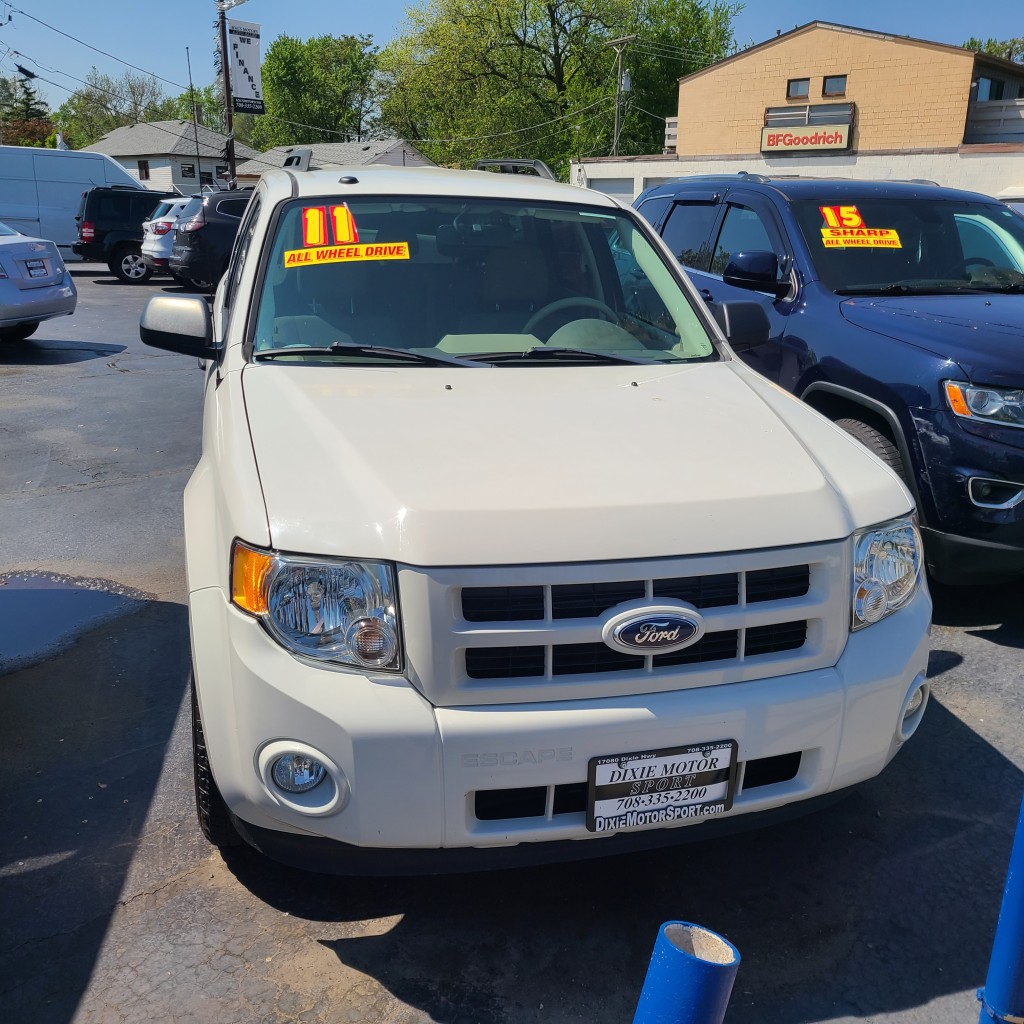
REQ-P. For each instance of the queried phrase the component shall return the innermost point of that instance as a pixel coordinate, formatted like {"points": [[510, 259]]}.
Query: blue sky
{"points": [[153, 36]]}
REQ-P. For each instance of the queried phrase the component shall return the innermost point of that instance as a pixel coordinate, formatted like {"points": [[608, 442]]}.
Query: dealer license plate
{"points": [[37, 268], [653, 788]]}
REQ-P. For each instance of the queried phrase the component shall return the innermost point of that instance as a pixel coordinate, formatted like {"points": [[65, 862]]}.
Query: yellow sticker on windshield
{"points": [[846, 229], [346, 253], [862, 238]]}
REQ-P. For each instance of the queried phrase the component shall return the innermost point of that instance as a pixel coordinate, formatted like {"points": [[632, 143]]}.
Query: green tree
{"points": [[24, 117], [106, 103], [315, 89], [1009, 49], [491, 78]]}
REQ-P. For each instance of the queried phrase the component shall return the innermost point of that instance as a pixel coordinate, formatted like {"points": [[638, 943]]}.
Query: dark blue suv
{"points": [[894, 308]]}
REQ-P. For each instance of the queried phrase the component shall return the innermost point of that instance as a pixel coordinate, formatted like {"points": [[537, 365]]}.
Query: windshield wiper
{"points": [[911, 289], [1016, 288], [344, 348], [542, 352]]}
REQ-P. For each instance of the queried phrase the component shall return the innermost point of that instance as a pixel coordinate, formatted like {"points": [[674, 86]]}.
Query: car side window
{"points": [[242, 243], [232, 207], [653, 209], [687, 230], [743, 230]]}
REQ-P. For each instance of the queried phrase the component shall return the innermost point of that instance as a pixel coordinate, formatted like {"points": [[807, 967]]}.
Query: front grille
{"points": [[571, 797], [783, 636], [589, 600], [532, 633], [581, 659]]}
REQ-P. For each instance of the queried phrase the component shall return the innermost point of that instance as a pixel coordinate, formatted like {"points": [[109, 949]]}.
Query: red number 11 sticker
{"points": [[315, 222]]}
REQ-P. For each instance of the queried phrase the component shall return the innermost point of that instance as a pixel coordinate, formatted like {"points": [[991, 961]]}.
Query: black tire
{"points": [[127, 266], [877, 443], [214, 819], [19, 332]]}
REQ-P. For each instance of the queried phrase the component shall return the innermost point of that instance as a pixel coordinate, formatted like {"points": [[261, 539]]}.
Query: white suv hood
{"points": [[432, 466]]}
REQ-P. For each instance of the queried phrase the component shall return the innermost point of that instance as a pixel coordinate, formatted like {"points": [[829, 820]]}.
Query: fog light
{"points": [[913, 709], [870, 601], [915, 702], [372, 642], [297, 773]]}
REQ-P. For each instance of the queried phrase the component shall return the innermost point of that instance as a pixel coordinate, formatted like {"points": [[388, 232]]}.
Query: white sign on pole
{"points": [[244, 58]]}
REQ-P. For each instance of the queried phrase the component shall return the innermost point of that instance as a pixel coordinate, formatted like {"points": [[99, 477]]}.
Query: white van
{"points": [[41, 189]]}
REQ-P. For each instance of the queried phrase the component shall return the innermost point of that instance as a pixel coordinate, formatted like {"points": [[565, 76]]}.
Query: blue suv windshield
{"points": [[913, 246]]}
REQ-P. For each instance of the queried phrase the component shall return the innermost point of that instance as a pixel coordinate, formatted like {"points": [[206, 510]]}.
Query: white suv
{"points": [[158, 233], [496, 553]]}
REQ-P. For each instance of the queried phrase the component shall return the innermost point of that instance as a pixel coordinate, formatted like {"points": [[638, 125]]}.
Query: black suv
{"points": [[894, 308], [110, 229], [204, 235]]}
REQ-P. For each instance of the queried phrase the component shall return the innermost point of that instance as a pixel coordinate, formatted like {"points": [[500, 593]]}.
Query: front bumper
{"points": [[35, 304], [414, 770], [966, 542]]}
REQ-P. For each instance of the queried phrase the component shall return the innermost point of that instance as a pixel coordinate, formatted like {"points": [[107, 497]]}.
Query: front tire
{"points": [[19, 332], [128, 266], [877, 443], [214, 819]]}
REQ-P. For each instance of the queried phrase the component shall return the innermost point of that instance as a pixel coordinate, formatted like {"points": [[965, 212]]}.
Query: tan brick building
{"points": [[894, 92], [841, 101]]}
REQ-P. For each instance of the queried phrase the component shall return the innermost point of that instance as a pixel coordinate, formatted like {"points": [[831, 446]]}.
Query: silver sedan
{"points": [[34, 284]]}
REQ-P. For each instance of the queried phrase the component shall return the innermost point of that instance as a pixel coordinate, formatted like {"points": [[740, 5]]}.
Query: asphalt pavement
{"points": [[880, 909]]}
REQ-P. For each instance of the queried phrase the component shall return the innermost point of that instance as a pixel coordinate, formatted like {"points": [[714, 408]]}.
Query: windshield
{"points": [[914, 246], [5, 230], [471, 279]]}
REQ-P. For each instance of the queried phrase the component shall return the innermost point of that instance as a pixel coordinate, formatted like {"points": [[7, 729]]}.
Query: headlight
{"points": [[993, 405], [886, 569], [332, 610]]}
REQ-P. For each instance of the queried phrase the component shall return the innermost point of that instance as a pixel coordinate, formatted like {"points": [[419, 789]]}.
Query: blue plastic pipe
{"points": [[690, 977], [1002, 998]]}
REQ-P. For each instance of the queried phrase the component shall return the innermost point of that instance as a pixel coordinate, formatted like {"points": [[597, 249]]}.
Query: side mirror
{"points": [[179, 324], [757, 272], [745, 324]]}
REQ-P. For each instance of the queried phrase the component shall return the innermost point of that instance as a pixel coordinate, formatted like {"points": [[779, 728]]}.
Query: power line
{"points": [[96, 49]]}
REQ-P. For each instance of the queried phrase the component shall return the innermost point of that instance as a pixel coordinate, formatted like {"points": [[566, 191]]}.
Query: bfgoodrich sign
{"points": [[790, 140]]}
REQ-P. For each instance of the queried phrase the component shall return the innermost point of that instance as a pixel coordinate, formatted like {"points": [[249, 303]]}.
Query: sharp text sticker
{"points": [[846, 229]]}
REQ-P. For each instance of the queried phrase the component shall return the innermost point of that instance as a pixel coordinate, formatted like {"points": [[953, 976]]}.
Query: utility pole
{"points": [[225, 68], [618, 45]]}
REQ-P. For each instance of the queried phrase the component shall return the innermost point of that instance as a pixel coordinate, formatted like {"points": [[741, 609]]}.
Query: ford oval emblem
{"points": [[641, 628]]}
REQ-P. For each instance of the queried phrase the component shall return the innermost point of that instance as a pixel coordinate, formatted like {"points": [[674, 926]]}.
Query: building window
{"points": [[188, 170], [143, 170], [990, 89], [834, 85], [798, 88]]}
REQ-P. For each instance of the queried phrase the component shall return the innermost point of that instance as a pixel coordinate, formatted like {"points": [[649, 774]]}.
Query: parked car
{"points": [[203, 236], [894, 308], [110, 229], [41, 189], [609, 591], [1014, 198], [158, 233], [34, 284]]}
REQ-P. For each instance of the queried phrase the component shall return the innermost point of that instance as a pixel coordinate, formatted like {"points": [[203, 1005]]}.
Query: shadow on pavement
{"points": [[83, 737], [882, 903], [37, 351]]}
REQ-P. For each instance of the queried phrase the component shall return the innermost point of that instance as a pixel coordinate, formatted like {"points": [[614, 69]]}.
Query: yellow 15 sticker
{"points": [[842, 216]]}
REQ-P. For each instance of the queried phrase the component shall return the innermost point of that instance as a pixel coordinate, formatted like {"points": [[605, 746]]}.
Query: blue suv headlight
{"points": [[993, 405]]}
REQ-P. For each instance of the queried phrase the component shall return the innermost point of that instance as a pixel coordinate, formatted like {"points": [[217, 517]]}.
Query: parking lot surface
{"points": [[881, 908]]}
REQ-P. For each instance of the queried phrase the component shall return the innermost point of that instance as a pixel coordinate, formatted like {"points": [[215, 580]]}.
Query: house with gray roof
{"points": [[394, 152], [165, 155]]}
